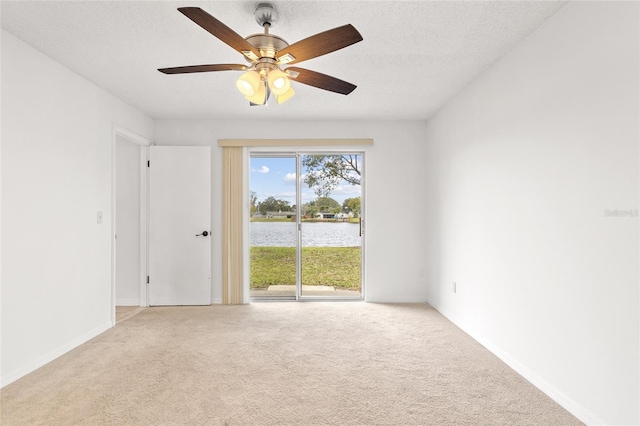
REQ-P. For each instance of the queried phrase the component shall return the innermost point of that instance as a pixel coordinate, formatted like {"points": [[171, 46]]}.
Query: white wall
{"points": [[394, 248], [127, 222], [56, 175], [521, 167]]}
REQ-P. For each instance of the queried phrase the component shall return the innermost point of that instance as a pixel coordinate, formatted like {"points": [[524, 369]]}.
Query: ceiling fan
{"points": [[269, 56]]}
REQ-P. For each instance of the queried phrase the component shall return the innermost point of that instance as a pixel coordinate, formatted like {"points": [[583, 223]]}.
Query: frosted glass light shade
{"points": [[248, 83], [260, 95], [285, 96], [278, 82]]}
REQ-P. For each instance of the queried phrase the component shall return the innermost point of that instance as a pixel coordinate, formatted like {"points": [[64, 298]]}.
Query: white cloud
{"points": [[290, 178], [263, 169], [287, 196], [348, 189]]}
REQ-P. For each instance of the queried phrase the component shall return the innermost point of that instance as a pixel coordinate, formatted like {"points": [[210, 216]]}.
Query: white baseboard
{"points": [[551, 391], [47, 358], [128, 302], [216, 301]]}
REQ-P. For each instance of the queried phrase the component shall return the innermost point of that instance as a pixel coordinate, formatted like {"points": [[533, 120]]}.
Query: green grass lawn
{"points": [[333, 266]]}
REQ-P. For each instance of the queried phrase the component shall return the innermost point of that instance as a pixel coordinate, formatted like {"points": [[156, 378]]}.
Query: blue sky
{"points": [[275, 177]]}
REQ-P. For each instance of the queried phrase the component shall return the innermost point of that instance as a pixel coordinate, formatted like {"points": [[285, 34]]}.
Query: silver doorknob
{"points": [[204, 234]]}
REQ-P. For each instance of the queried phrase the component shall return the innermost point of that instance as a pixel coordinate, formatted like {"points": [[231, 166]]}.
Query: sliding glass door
{"points": [[330, 231], [306, 226], [273, 228]]}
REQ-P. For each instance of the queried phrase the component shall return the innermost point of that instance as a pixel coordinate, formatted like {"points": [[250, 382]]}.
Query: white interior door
{"points": [[179, 225]]}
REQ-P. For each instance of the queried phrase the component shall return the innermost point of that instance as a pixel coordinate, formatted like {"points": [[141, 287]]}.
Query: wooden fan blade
{"points": [[218, 29], [321, 44], [203, 68], [322, 81]]}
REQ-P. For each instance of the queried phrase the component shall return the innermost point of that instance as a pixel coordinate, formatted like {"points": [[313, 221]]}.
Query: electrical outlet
{"points": [[453, 287]]}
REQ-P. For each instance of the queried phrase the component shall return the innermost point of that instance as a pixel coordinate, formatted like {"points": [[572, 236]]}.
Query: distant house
{"points": [[324, 215]]}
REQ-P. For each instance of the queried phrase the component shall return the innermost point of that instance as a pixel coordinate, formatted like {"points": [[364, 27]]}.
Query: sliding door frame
{"points": [[298, 154], [276, 146]]}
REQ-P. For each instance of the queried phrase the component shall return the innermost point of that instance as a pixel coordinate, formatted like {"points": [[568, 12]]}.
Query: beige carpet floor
{"points": [[123, 313], [348, 363]]}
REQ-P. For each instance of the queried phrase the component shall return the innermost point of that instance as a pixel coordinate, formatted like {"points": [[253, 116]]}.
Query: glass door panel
{"points": [[331, 241], [273, 227]]}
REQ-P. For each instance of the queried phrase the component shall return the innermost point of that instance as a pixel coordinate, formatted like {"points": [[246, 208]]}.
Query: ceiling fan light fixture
{"points": [[285, 96], [278, 82], [249, 83], [260, 95]]}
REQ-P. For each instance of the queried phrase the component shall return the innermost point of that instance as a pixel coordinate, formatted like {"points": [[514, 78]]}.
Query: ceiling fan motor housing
{"points": [[267, 44]]}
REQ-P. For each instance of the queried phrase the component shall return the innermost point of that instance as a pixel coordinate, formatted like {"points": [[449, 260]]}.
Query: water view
{"points": [[314, 234]]}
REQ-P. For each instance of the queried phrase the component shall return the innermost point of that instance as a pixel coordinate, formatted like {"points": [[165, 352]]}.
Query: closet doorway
{"points": [[128, 222]]}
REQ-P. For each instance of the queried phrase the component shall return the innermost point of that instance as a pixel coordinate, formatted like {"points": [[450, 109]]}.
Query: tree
{"points": [[321, 204], [327, 204], [273, 205], [254, 199], [326, 172], [309, 209], [352, 205]]}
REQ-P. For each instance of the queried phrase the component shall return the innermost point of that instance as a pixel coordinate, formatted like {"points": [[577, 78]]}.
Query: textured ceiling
{"points": [[415, 55]]}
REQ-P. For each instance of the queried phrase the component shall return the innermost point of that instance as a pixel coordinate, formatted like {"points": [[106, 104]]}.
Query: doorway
{"points": [[306, 239], [128, 220]]}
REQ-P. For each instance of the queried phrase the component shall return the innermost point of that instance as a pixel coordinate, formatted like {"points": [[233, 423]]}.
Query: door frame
{"points": [[297, 152], [144, 143]]}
